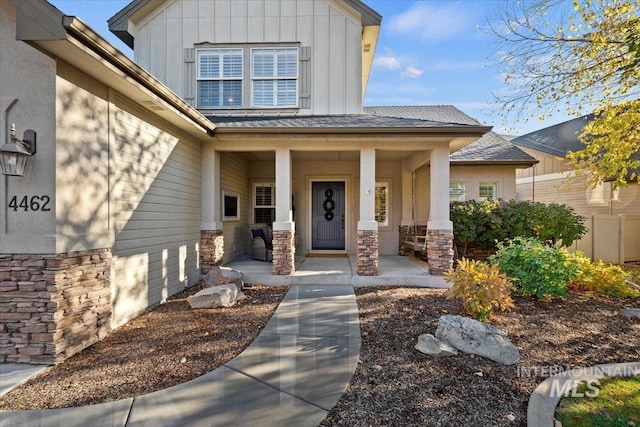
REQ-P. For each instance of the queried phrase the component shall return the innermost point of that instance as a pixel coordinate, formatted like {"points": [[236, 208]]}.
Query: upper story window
{"points": [[249, 77], [219, 76], [274, 77]]}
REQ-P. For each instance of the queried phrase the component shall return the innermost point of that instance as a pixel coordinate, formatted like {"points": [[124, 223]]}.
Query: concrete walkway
{"points": [[292, 375]]}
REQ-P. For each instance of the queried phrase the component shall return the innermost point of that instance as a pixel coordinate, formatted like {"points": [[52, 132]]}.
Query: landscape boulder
{"points": [[224, 275], [428, 344], [216, 296], [470, 336], [630, 312]]}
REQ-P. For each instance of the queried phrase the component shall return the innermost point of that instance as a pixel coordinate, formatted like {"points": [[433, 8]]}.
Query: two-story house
{"points": [[234, 112]]}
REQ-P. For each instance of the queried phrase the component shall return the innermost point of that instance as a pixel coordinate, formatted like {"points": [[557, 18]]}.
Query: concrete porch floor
{"points": [[392, 270]]}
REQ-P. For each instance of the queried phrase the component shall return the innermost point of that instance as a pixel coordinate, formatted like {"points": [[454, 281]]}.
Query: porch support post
{"points": [[407, 221], [283, 228], [439, 227], [211, 236], [367, 251]]}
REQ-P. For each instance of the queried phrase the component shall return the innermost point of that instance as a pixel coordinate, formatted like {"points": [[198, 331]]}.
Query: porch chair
{"points": [[261, 242]]}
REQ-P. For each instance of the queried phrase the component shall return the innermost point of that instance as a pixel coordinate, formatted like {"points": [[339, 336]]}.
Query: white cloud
{"points": [[431, 22], [412, 72], [388, 62]]}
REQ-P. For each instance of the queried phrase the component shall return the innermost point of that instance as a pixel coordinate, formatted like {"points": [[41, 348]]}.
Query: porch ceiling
{"points": [[331, 156]]}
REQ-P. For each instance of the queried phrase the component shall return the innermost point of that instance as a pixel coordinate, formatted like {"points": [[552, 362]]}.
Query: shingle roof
{"points": [[558, 139], [330, 121], [436, 113], [491, 147]]}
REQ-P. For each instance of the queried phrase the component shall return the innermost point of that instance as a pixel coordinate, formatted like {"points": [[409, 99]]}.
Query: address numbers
{"points": [[33, 203]]}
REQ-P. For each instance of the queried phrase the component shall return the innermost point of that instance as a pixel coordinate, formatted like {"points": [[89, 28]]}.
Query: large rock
{"points": [[630, 312], [471, 336], [216, 296], [224, 275], [429, 344]]}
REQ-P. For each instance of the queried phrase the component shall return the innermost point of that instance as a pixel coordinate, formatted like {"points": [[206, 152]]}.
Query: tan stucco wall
{"points": [[30, 77]]}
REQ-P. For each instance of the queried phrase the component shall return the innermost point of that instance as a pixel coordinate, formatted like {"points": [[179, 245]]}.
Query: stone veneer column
{"points": [[211, 236], [440, 250], [283, 252], [367, 264], [367, 234], [439, 227], [211, 249], [284, 227], [53, 306]]}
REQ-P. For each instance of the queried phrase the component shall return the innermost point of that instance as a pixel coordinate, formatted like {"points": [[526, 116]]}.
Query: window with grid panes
{"points": [[457, 191], [382, 203], [274, 77], [219, 76], [264, 203], [488, 191]]}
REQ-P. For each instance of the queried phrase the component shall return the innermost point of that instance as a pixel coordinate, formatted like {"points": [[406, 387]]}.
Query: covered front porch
{"points": [[392, 270]]}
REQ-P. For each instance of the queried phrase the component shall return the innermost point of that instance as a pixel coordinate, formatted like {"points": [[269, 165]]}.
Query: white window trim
{"points": [[466, 191], [297, 77], [487, 184], [386, 183], [199, 78], [232, 194], [253, 196]]}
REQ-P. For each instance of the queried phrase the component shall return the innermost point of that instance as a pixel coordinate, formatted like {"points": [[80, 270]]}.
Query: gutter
{"points": [[106, 51]]}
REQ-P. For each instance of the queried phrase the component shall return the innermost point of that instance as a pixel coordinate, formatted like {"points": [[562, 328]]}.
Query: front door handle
{"points": [[343, 221]]}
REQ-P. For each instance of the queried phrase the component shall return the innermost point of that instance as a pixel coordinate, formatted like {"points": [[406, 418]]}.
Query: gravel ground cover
{"points": [[394, 384]]}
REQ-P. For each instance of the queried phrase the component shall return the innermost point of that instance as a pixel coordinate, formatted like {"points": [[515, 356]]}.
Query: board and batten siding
{"points": [[234, 177], [157, 210], [331, 31]]}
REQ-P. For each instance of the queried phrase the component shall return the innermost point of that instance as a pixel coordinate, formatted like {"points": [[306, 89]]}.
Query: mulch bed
{"points": [[394, 384]]}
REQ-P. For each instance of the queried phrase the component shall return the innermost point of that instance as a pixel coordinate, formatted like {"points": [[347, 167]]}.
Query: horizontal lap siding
{"points": [[234, 177], [157, 209]]}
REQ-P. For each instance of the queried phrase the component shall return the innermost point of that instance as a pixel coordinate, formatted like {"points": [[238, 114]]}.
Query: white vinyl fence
{"points": [[611, 238]]}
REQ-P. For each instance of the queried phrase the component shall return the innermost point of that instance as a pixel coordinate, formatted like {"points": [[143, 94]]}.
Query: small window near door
{"points": [[457, 191], [382, 203], [264, 203], [230, 206], [488, 191]]}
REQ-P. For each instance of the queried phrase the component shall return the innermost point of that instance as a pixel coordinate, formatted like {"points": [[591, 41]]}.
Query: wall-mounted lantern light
{"points": [[14, 154]]}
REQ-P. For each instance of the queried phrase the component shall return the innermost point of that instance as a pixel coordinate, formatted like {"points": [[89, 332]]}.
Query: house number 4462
{"points": [[33, 203]]}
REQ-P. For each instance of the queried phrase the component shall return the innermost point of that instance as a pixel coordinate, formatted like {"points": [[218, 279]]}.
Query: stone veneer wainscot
{"points": [[367, 262], [211, 249], [53, 306]]}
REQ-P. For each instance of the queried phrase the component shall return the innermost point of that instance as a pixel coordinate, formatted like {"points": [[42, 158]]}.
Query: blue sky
{"points": [[429, 52]]}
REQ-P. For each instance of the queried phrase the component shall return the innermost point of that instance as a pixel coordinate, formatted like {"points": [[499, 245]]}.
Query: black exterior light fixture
{"points": [[15, 153]]}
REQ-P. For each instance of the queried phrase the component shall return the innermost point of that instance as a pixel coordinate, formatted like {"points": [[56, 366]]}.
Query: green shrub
{"points": [[600, 277], [537, 269], [485, 223], [482, 287]]}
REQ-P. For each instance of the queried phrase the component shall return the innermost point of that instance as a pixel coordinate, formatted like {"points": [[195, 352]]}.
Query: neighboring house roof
{"points": [[119, 23], [558, 139]]}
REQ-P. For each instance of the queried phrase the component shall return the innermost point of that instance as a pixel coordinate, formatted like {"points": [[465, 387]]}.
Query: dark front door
{"points": [[328, 215]]}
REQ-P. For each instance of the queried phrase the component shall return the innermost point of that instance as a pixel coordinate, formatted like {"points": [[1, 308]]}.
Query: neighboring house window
{"points": [[457, 191], [230, 206], [382, 203], [274, 77], [488, 191], [219, 75], [264, 203]]}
